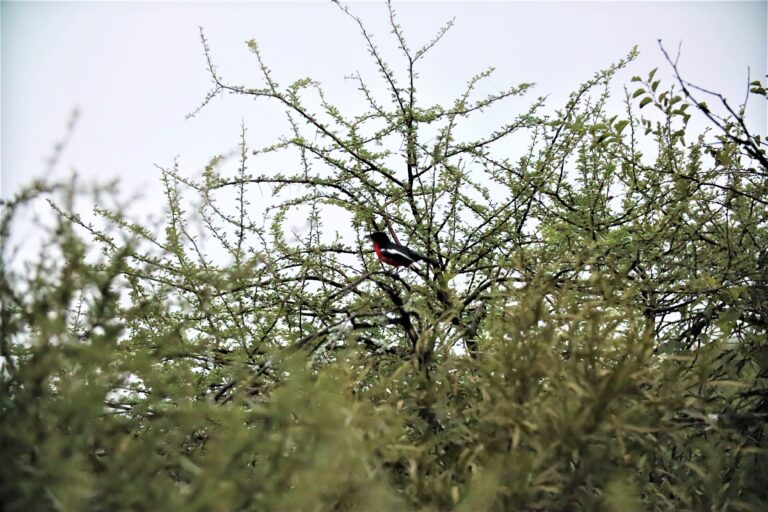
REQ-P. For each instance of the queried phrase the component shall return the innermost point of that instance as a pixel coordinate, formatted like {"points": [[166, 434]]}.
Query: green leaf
{"points": [[653, 72], [735, 291], [621, 125], [645, 101], [638, 92]]}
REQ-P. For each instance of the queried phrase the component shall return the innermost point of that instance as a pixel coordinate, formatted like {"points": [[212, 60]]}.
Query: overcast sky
{"points": [[134, 70]]}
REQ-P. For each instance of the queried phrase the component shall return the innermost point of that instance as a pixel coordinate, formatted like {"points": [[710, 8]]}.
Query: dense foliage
{"points": [[595, 336]]}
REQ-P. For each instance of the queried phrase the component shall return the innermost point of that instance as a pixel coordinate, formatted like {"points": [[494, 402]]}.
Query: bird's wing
{"points": [[417, 256], [399, 251]]}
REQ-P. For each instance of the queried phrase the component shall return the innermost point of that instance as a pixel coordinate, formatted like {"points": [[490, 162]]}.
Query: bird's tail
{"points": [[429, 260]]}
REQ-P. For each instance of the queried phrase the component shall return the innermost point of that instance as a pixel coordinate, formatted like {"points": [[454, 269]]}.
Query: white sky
{"points": [[134, 70]]}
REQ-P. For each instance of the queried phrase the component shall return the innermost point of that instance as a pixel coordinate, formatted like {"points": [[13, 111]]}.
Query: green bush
{"points": [[594, 339]]}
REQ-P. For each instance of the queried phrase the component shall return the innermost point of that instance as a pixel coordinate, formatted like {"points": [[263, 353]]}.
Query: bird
{"points": [[395, 254]]}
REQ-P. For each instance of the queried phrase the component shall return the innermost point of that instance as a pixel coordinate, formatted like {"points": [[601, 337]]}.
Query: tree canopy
{"points": [[594, 336]]}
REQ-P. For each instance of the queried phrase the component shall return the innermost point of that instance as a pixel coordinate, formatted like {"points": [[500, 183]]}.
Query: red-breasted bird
{"points": [[395, 254]]}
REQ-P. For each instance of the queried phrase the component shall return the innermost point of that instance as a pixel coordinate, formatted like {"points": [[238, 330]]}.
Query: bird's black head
{"points": [[379, 237]]}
